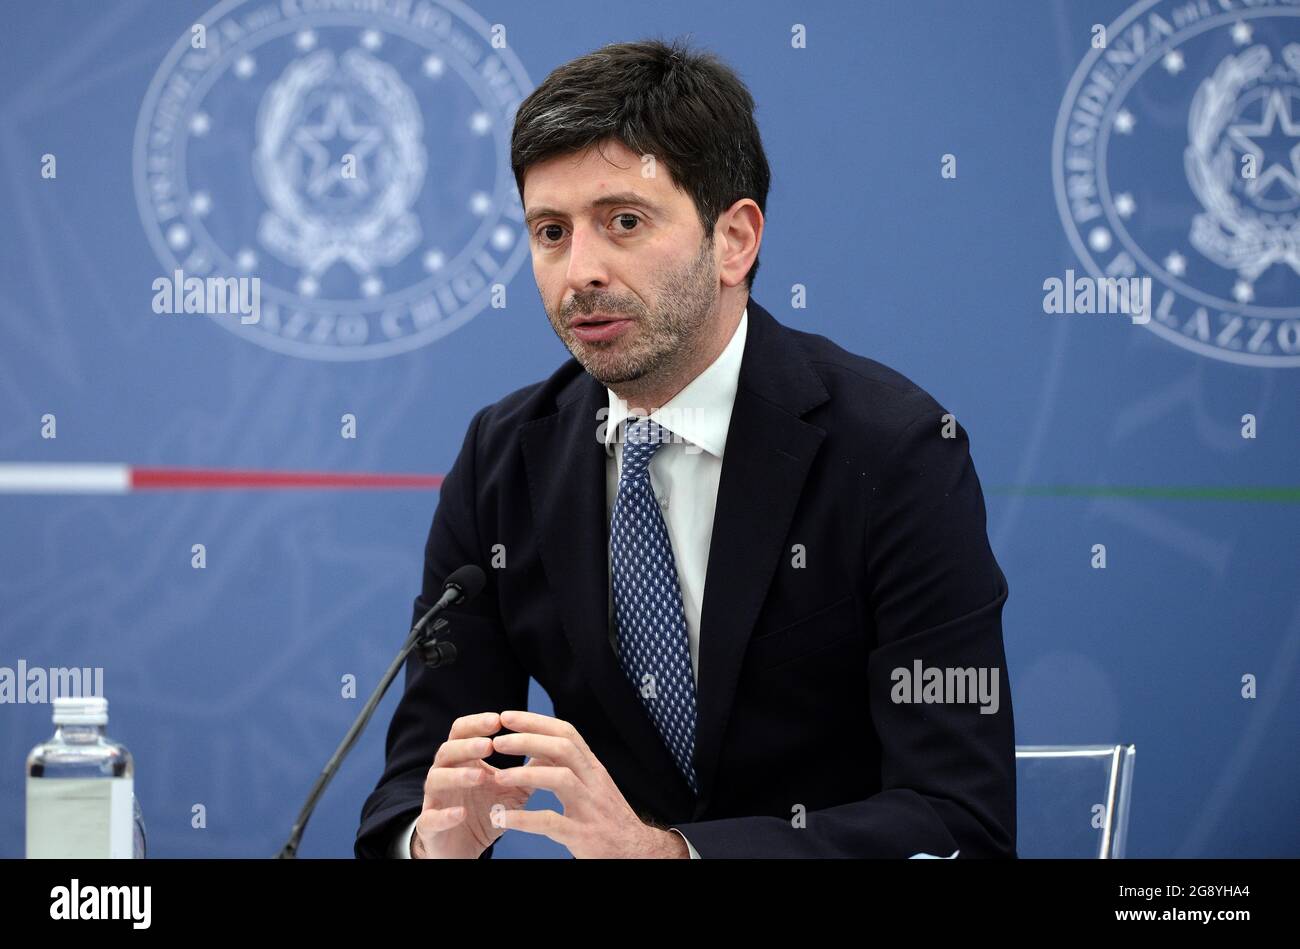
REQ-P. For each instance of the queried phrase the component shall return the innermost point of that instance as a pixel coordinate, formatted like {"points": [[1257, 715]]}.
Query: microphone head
{"points": [[469, 579]]}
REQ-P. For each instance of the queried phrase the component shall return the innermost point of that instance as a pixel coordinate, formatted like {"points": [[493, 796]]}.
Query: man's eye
{"points": [[546, 235]]}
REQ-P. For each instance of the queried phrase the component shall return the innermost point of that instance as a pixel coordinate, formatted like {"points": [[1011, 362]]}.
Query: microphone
{"points": [[463, 585]]}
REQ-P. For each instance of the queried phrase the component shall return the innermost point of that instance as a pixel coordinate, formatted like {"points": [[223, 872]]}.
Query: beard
{"points": [[660, 339]]}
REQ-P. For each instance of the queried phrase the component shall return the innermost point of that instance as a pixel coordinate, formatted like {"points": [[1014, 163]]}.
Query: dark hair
{"points": [[689, 110]]}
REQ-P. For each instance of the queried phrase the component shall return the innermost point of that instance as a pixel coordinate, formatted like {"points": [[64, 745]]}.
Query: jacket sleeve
{"points": [[947, 773], [485, 677]]}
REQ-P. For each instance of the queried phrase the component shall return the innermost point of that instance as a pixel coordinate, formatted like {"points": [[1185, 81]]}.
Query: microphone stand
{"points": [[434, 654]]}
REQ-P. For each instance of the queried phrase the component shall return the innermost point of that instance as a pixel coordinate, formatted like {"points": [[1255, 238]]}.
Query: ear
{"points": [[738, 233]]}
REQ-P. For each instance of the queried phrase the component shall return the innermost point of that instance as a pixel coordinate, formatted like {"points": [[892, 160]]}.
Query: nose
{"points": [[587, 266]]}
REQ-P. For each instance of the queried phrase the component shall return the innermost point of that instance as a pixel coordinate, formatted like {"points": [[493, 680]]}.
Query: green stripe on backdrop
{"points": [[1268, 495]]}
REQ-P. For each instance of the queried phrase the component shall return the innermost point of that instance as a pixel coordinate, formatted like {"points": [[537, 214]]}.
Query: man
{"points": [[724, 547]]}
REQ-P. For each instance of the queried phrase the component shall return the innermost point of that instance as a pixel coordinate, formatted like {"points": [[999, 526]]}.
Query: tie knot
{"points": [[643, 438]]}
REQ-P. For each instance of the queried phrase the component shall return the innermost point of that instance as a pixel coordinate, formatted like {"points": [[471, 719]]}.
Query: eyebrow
{"points": [[622, 197]]}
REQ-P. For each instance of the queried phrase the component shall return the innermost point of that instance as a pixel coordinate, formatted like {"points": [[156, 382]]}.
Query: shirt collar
{"points": [[701, 413]]}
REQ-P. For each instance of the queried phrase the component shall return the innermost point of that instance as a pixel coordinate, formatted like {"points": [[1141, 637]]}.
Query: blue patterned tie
{"points": [[653, 648]]}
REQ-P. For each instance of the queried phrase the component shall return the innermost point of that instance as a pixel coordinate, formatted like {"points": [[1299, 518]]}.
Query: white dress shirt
{"points": [[684, 476]]}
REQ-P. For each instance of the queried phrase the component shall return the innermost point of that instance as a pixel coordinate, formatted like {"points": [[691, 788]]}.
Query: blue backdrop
{"points": [[226, 682]]}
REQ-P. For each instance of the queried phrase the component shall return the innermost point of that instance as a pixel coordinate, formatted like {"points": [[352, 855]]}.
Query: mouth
{"points": [[595, 319], [598, 327]]}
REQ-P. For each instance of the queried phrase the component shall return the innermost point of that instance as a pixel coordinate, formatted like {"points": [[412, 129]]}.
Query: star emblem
{"points": [[1275, 133], [336, 123]]}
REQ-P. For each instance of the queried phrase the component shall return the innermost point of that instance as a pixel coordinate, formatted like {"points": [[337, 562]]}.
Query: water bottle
{"points": [[80, 788]]}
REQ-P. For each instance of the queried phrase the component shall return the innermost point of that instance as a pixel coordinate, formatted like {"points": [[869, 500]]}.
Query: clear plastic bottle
{"points": [[80, 788]]}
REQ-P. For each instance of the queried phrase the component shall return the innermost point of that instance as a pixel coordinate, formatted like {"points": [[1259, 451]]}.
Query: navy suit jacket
{"points": [[848, 541]]}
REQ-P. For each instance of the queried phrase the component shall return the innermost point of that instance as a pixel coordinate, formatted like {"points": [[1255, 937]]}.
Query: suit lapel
{"points": [[768, 454], [766, 460]]}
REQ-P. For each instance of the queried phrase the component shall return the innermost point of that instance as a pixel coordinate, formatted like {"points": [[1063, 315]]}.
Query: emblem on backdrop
{"points": [[1176, 155], [354, 159]]}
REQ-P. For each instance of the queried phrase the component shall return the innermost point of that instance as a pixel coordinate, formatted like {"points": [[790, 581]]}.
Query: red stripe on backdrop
{"points": [[162, 479]]}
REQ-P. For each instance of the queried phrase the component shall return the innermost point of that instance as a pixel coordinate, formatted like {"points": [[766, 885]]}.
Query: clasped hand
{"points": [[469, 804]]}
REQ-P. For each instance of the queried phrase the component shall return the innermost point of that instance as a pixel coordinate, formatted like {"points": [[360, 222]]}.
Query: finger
{"points": [[545, 822], [470, 726], [459, 751], [441, 780], [521, 786], [451, 779], [437, 819], [561, 751], [521, 721], [563, 782]]}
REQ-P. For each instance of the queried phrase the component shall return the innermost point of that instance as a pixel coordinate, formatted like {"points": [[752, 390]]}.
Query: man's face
{"points": [[608, 242]]}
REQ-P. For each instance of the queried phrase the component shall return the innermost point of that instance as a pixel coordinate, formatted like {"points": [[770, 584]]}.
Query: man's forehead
{"points": [[595, 177], [553, 208], [606, 156]]}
